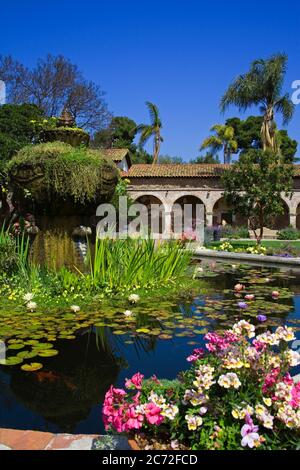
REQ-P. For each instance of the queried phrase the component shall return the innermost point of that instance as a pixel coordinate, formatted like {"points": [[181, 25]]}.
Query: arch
{"points": [[156, 211], [223, 212], [298, 216], [281, 221], [186, 214]]}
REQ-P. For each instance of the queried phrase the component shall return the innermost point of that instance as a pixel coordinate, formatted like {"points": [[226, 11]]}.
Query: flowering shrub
{"points": [[237, 394]]}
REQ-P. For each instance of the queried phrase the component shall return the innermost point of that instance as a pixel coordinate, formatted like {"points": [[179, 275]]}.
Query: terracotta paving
{"points": [[12, 439]]}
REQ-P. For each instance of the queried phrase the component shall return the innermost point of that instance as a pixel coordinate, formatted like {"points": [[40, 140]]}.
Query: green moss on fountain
{"points": [[55, 175]]}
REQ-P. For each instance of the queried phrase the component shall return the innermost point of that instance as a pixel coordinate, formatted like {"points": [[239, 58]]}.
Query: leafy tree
{"points": [[287, 146], [16, 128], [170, 160], [254, 184], [248, 136], [262, 86], [208, 158], [223, 139], [119, 134], [152, 130], [53, 84]]}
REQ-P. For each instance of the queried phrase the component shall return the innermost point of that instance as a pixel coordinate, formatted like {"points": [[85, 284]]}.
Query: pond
{"points": [[77, 355]]}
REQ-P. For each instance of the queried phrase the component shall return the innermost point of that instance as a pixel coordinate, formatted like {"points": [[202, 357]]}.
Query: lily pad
{"points": [[32, 367]]}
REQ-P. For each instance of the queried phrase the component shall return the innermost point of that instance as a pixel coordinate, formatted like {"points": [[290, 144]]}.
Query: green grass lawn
{"points": [[266, 243]]}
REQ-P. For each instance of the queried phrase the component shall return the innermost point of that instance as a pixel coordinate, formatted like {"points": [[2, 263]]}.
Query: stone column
{"points": [[293, 219], [168, 222], [209, 219]]}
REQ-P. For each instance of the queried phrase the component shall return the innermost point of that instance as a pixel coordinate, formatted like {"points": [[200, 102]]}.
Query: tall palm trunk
{"points": [[268, 130], [157, 141]]}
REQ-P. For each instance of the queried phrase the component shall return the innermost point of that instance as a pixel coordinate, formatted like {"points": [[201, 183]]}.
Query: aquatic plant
{"points": [[135, 263]]}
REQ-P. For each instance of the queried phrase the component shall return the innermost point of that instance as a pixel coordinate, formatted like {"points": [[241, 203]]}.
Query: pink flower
{"points": [[197, 354], [270, 380], [217, 342], [133, 419], [275, 294], [259, 346], [135, 381], [249, 297], [295, 402], [153, 415]]}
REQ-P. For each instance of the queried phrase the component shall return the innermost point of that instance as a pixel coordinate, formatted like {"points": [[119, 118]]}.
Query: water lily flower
{"points": [[31, 306], [134, 298], [249, 297], [239, 287], [243, 305], [28, 297], [275, 294], [261, 318], [75, 308], [128, 313]]}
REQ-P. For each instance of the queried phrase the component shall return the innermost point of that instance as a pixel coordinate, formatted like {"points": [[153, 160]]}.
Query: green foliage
{"points": [[66, 171], [223, 139], [289, 233], [254, 185], [208, 158], [8, 255], [168, 159], [262, 86], [16, 128], [248, 136], [135, 263], [234, 232], [153, 129], [119, 134]]}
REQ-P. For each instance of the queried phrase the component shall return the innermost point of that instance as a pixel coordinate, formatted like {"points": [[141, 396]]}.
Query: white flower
{"points": [[134, 298], [170, 411], [28, 297], [244, 327], [158, 400], [250, 440], [31, 306], [75, 308], [229, 380], [293, 358], [128, 313], [193, 422]]}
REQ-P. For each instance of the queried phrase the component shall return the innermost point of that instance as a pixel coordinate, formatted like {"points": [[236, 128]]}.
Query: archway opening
{"points": [[156, 212], [188, 214], [225, 214], [281, 221]]}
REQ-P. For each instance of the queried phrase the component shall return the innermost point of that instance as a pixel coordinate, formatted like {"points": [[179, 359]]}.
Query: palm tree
{"points": [[151, 130], [222, 140], [262, 86]]}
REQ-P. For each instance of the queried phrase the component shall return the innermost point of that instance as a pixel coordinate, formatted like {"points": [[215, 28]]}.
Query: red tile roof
{"points": [[116, 155], [182, 170]]}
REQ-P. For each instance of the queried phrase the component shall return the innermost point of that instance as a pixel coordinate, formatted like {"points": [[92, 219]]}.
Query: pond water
{"points": [[94, 349]]}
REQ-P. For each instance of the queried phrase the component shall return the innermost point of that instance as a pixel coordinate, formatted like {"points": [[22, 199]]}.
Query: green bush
{"points": [[234, 233], [289, 233], [8, 255]]}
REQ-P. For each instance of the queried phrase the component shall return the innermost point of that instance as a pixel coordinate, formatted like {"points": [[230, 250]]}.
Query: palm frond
{"points": [[286, 107]]}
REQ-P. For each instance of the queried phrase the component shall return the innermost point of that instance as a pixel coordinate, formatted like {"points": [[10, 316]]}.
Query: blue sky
{"points": [[180, 55]]}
